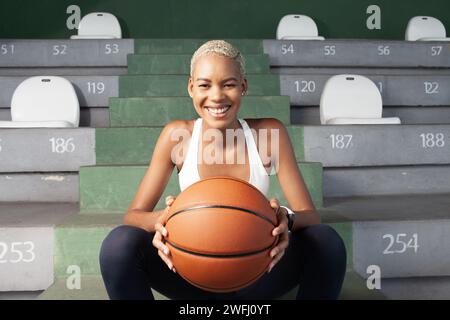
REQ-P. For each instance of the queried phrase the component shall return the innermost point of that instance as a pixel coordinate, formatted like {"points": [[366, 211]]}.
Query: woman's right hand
{"points": [[161, 233]]}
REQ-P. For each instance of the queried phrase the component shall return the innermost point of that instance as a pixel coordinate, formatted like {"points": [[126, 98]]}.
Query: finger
{"points": [[157, 238], [169, 200], [158, 244], [283, 242], [165, 259], [276, 251], [281, 246], [161, 229], [274, 203], [276, 260], [280, 229]]}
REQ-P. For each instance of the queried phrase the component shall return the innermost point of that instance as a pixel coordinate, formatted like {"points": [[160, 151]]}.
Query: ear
{"points": [[244, 86], [190, 86]]}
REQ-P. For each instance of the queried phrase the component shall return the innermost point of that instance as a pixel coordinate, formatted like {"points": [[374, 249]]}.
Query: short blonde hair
{"points": [[222, 48]]}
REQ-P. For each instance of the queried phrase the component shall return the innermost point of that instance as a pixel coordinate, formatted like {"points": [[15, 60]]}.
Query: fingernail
{"points": [[273, 253], [174, 271], [166, 250], [170, 266]]}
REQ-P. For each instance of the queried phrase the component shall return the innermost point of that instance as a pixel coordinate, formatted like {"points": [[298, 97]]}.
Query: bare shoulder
{"points": [[265, 123], [176, 130], [179, 125], [269, 136], [175, 136]]}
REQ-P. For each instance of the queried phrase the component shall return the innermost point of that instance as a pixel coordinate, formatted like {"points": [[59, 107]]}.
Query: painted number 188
{"points": [[432, 140]]}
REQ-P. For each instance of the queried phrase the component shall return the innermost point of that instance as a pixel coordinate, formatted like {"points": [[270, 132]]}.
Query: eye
{"points": [[204, 85], [230, 85]]}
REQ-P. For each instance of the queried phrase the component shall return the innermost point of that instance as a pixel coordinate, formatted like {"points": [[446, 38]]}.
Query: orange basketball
{"points": [[220, 234]]}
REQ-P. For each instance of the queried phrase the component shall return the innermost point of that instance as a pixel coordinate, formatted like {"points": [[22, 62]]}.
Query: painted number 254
{"points": [[400, 243]]}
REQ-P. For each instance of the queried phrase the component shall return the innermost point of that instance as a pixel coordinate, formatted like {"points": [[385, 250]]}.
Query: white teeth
{"points": [[218, 110]]}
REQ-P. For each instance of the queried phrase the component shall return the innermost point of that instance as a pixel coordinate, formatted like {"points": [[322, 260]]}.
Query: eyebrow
{"points": [[227, 79]]}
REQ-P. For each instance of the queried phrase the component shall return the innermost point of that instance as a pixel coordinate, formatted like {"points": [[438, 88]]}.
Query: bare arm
{"points": [[291, 181], [154, 182]]}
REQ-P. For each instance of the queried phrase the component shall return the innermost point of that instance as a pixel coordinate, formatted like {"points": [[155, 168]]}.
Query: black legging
{"points": [[315, 260]]}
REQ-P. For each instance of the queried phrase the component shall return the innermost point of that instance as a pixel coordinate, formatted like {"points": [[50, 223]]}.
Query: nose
{"points": [[216, 93]]}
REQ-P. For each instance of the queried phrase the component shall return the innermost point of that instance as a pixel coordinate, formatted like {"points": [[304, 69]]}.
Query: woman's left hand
{"points": [[280, 230]]}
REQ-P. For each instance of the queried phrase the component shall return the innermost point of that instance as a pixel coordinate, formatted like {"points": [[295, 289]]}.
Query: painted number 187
{"points": [[341, 141]]}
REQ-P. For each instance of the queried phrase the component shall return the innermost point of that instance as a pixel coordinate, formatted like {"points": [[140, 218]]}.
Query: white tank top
{"points": [[189, 172]]}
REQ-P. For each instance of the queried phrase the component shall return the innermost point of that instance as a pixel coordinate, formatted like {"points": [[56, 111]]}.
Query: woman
{"points": [[312, 255]]}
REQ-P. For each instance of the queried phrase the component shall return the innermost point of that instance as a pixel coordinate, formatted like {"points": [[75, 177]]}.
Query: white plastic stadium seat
{"points": [[44, 102], [99, 25], [297, 27], [424, 28], [352, 99]]}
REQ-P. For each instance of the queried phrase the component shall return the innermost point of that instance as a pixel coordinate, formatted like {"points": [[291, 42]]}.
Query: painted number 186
{"points": [[60, 145]]}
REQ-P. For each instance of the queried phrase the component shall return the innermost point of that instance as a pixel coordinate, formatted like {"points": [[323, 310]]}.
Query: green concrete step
{"points": [[181, 63], [78, 240], [93, 288], [112, 188], [176, 85], [188, 46], [125, 145], [136, 145], [157, 111]]}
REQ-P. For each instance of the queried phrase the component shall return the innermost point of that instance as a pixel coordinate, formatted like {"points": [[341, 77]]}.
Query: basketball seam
{"points": [[223, 207], [229, 256]]}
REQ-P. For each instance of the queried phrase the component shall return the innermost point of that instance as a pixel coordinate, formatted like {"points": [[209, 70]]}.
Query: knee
{"points": [[121, 242], [322, 238]]}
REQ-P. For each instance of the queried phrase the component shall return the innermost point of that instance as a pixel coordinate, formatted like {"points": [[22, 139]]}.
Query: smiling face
{"points": [[216, 89]]}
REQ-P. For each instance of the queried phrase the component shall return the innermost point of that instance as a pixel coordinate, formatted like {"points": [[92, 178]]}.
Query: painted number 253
{"points": [[19, 252]]}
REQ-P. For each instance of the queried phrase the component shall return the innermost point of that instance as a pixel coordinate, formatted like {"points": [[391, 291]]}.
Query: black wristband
{"points": [[290, 216]]}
